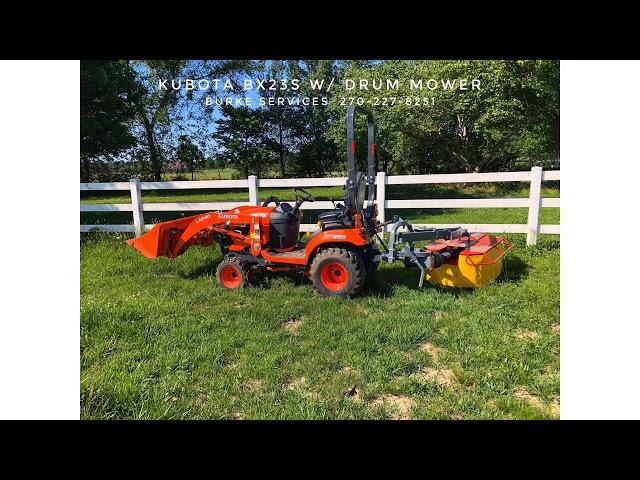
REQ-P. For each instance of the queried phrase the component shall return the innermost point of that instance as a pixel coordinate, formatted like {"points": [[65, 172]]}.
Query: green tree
{"points": [[164, 113], [513, 119], [190, 155], [240, 136], [278, 118], [108, 92], [317, 152]]}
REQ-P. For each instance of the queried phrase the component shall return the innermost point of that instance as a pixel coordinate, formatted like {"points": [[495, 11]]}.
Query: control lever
{"points": [[393, 220], [296, 208]]}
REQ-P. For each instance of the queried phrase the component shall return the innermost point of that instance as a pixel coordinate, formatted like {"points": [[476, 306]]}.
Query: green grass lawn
{"points": [[229, 174], [161, 339], [547, 216], [205, 174]]}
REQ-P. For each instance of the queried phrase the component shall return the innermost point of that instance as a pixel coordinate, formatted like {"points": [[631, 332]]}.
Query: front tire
{"points": [[338, 272], [233, 273]]}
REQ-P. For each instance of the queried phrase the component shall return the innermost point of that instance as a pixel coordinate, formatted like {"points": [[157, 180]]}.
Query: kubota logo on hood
{"points": [[228, 216]]}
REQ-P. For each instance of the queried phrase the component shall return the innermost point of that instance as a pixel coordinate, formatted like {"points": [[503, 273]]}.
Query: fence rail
{"points": [[534, 202]]}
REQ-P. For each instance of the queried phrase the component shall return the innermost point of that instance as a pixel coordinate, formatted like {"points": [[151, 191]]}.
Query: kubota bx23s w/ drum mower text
{"points": [[339, 256]]}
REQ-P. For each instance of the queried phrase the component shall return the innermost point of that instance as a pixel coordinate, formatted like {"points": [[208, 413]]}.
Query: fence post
{"points": [[136, 203], [253, 190], [533, 227], [381, 178]]}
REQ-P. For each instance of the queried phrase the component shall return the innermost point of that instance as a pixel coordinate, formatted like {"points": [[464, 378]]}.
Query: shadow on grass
{"points": [[263, 281], [514, 270], [206, 269], [384, 281]]}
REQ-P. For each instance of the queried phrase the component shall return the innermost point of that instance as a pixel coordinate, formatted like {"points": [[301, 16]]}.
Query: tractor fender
{"points": [[335, 238]]}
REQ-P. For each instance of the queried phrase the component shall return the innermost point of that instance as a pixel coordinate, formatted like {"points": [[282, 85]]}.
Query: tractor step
{"points": [[297, 253]]}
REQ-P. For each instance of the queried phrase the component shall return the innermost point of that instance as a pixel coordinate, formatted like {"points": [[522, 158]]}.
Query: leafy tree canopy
{"points": [[107, 94], [511, 121]]}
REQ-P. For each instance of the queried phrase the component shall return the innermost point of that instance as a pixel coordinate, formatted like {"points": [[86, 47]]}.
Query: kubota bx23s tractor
{"points": [[340, 256]]}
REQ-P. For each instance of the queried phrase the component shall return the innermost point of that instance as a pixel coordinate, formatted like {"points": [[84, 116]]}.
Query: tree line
{"points": [[130, 127]]}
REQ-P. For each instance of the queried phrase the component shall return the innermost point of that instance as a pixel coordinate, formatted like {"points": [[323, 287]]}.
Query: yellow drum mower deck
{"points": [[455, 258]]}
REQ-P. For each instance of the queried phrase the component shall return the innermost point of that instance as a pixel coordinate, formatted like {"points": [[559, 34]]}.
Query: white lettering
{"points": [[448, 84], [317, 84]]}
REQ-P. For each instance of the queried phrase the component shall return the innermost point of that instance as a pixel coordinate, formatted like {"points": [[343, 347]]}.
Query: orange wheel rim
{"points": [[230, 276], [334, 276]]}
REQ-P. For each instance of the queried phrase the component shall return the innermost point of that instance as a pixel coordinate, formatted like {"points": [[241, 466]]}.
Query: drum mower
{"points": [[343, 253]]}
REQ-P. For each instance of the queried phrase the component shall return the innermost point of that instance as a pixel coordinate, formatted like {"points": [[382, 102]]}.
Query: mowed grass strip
{"points": [[161, 339]]}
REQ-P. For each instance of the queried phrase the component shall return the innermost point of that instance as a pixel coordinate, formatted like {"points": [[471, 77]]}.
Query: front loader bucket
{"points": [[156, 242]]}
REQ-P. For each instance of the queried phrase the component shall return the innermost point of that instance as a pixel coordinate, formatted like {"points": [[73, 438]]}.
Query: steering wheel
{"points": [[271, 199], [303, 194]]}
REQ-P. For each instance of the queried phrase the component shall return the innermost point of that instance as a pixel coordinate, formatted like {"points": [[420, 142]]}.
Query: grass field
{"points": [[204, 174], [161, 339], [228, 174]]}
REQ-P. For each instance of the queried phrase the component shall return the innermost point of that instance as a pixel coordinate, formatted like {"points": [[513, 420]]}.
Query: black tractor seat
{"points": [[330, 216], [333, 219]]}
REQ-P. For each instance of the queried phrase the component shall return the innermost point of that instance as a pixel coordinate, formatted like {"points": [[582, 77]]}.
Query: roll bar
{"points": [[371, 149]]}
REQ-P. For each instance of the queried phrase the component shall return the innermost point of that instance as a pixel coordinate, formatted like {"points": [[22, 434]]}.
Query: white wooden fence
{"points": [[534, 202]]}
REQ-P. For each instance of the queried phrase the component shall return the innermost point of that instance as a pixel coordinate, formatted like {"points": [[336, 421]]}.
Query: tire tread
{"points": [[349, 257], [241, 264]]}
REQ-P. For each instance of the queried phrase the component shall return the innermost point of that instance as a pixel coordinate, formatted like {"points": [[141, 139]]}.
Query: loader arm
{"points": [[172, 238]]}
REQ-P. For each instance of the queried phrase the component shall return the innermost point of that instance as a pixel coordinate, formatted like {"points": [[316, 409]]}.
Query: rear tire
{"points": [[233, 273], [371, 269], [338, 272]]}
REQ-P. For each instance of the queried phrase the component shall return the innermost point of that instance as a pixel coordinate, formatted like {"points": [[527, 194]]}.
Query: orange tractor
{"points": [[343, 253]]}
